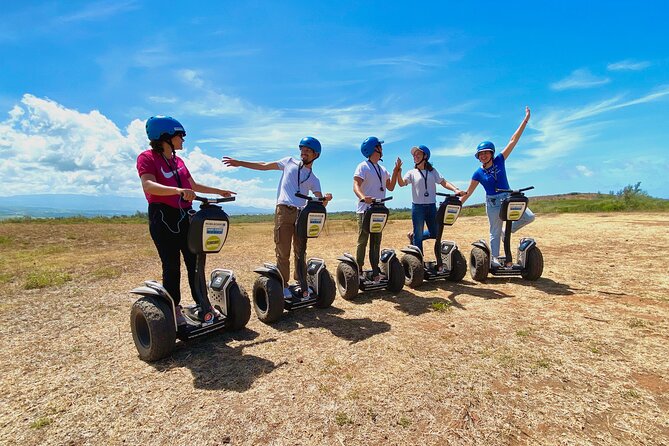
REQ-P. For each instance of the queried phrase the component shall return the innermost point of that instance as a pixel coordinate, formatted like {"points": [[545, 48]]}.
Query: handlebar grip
{"points": [[214, 200], [299, 195]]}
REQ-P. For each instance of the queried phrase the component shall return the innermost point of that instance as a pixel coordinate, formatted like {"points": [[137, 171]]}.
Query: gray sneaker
{"points": [[181, 319], [494, 263]]}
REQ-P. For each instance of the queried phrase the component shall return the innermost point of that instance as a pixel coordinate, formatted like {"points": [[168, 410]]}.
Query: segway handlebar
{"points": [[441, 194], [377, 200], [517, 191], [309, 198], [213, 200]]}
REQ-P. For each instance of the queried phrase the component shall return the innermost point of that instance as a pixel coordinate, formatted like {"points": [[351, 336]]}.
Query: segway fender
{"points": [[483, 245], [348, 258], [448, 247], [269, 270], [219, 283], [387, 255], [526, 245], [155, 289], [314, 267], [414, 251]]}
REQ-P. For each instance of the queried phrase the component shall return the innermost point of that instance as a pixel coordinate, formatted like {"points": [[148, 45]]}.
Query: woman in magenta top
{"points": [[169, 189]]}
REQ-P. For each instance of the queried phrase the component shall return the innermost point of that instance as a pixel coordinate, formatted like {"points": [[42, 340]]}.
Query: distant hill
{"points": [[69, 205], [64, 205]]}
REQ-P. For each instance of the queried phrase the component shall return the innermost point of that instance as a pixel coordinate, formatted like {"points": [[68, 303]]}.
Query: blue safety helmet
{"points": [[485, 146], [369, 145], [312, 143], [163, 127], [423, 149]]}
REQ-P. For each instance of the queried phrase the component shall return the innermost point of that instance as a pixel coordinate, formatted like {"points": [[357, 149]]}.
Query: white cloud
{"points": [[628, 65], [464, 145], [562, 131], [47, 148], [584, 171], [579, 79]]}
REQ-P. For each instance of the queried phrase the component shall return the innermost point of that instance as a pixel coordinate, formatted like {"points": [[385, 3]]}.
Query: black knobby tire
{"points": [[326, 290], [479, 264], [239, 308], [458, 266], [414, 271], [152, 326], [396, 282], [268, 300], [348, 281], [534, 265]]}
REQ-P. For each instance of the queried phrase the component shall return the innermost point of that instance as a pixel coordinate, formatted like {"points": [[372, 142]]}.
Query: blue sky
{"points": [[250, 79]]}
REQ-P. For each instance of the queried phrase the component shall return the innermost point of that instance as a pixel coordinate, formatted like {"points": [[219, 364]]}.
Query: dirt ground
{"points": [[578, 357]]}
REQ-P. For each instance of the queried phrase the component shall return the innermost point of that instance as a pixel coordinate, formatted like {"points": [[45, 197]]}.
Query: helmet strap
{"points": [[376, 150]]}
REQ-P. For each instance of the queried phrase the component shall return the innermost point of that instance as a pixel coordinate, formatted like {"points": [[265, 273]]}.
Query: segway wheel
{"points": [[479, 264], [534, 265], [348, 281], [239, 308], [414, 272], [459, 267], [396, 282], [268, 300], [152, 326], [326, 290]]}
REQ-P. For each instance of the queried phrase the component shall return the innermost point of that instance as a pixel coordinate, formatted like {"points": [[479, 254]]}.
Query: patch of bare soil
{"points": [[578, 357]]}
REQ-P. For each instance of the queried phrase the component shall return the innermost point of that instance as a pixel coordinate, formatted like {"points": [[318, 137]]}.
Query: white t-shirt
{"points": [[417, 179], [288, 185], [371, 185]]}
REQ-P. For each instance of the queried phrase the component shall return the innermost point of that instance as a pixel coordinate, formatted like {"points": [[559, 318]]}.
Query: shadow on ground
{"points": [[410, 303], [352, 330], [217, 366], [548, 286]]}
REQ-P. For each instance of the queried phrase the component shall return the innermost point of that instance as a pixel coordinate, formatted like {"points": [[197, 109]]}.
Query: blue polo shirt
{"points": [[493, 177]]}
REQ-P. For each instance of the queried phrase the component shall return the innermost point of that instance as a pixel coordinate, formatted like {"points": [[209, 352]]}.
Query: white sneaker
{"points": [[287, 293], [494, 263]]}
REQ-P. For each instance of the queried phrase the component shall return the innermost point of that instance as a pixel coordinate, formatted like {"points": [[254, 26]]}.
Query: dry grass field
{"points": [[579, 357]]}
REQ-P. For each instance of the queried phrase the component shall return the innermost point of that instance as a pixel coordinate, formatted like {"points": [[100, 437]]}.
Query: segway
{"points": [[530, 263], [350, 280], [450, 264], [220, 304], [268, 299]]}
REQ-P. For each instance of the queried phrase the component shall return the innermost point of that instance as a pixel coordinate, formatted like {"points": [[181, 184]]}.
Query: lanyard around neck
{"points": [[378, 173], [299, 169]]}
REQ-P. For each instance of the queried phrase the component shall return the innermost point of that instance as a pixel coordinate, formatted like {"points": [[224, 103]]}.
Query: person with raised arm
{"points": [[492, 175], [298, 176]]}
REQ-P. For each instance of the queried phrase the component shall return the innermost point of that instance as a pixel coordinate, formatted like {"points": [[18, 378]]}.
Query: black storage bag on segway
{"points": [[208, 230], [311, 220], [375, 218], [449, 211], [513, 207]]}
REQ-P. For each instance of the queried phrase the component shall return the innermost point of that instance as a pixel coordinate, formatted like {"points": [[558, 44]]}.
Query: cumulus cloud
{"points": [[48, 148], [579, 79], [628, 65]]}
